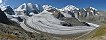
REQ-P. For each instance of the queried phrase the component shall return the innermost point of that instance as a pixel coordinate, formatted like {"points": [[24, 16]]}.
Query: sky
{"points": [[98, 4]]}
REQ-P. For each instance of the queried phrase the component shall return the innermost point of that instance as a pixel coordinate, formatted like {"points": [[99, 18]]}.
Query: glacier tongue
{"points": [[46, 22]]}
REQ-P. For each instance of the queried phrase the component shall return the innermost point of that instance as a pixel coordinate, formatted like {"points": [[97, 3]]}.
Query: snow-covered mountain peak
{"points": [[32, 6], [29, 3], [8, 10], [3, 8], [84, 9], [21, 7], [93, 8], [48, 7], [70, 8], [27, 6]]}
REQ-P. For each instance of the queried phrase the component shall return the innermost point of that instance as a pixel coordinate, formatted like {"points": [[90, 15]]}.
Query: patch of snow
{"points": [[94, 25], [84, 9], [91, 11], [31, 13], [3, 8], [1, 1], [93, 8]]}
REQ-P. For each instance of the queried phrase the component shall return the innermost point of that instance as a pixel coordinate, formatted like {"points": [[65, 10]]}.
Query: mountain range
{"points": [[49, 19]]}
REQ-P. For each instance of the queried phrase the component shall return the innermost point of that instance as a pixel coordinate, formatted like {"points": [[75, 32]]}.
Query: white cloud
{"points": [[1, 1]]}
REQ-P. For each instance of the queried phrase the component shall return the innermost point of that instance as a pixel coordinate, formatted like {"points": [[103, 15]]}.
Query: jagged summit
{"points": [[93, 8], [48, 7], [3, 8], [28, 8], [9, 10], [69, 8], [84, 9]]}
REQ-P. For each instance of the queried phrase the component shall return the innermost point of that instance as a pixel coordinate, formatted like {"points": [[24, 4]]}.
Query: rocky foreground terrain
{"points": [[9, 32]]}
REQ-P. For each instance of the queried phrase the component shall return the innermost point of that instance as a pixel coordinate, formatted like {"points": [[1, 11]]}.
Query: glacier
{"points": [[51, 20]]}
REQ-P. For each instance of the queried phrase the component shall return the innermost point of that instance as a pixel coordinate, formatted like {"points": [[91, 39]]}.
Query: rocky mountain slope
{"points": [[9, 32]]}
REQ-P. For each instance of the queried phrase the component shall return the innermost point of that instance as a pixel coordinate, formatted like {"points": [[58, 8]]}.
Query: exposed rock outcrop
{"points": [[3, 18], [9, 11]]}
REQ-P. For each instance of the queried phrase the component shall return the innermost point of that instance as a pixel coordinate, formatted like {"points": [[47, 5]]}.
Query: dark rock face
{"points": [[9, 10], [19, 19], [59, 15], [72, 14], [56, 13], [72, 22], [3, 18], [83, 13], [88, 12], [35, 11], [65, 24]]}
